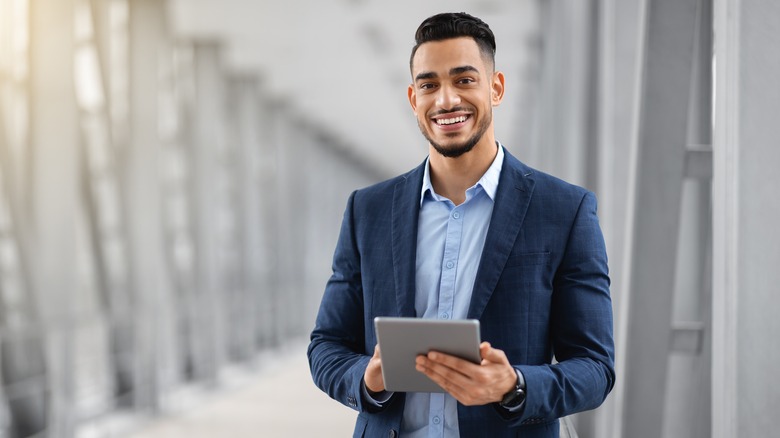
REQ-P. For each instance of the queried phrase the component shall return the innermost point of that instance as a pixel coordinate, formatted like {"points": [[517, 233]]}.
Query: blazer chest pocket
{"points": [[528, 259]]}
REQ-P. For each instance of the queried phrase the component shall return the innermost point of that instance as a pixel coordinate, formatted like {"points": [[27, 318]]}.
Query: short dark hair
{"points": [[453, 25]]}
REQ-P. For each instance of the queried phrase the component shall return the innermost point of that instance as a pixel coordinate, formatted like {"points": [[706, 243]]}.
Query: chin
{"points": [[453, 150]]}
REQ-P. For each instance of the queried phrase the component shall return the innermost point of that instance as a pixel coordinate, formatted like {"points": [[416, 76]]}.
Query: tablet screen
{"points": [[401, 340]]}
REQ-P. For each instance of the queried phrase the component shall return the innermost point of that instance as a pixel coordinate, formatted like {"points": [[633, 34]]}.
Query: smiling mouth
{"points": [[452, 120]]}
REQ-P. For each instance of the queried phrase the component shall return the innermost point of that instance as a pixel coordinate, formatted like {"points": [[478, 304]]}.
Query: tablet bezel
{"points": [[401, 340]]}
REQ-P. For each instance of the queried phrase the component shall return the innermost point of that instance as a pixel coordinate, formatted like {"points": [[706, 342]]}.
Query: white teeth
{"points": [[451, 121]]}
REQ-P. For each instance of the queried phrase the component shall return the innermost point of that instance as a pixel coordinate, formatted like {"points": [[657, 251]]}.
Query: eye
{"points": [[427, 86], [465, 81]]}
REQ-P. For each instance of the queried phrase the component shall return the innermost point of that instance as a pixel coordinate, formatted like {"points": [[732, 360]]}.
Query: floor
{"points": [[280, 401]]}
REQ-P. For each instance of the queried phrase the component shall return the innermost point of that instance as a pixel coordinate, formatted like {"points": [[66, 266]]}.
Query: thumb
{"points": [[491, 354], [484, 348]]}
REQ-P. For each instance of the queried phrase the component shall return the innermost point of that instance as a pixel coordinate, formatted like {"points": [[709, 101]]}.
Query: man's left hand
{"points": [[469, 383]]}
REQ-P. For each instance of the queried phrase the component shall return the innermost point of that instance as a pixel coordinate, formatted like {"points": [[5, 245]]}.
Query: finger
{"points": [[442, 372], [461, 387], [461, 365], [492, 355], [450, 380], [377, 353]]}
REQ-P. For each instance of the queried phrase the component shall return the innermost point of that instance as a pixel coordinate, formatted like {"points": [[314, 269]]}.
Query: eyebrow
{"points": [[458, 70], [453, 72]]}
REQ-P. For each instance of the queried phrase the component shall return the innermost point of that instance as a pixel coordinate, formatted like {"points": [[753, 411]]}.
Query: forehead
{"points": [[441, 56]]}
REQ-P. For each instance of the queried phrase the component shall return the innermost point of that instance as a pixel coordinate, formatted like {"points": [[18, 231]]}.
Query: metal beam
{"points": [[687, 337], [726, 257], [698, 162]]}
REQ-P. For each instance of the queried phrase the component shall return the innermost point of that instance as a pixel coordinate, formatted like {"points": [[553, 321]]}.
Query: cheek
{"points": [[418, 107], [421, 112], [422, 121]]}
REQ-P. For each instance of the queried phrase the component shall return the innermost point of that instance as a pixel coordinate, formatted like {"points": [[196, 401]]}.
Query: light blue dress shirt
{"points": [[450, 240]]}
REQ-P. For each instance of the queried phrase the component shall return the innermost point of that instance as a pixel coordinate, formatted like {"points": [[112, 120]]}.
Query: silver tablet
{"points": [[401, 340]]}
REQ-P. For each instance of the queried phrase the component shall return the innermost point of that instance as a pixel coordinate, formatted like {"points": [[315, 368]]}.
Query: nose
{"points": [[448, 97]]}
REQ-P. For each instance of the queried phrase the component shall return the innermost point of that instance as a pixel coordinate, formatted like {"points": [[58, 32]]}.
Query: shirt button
{"points": [[456, 215], [450, 265], [445, 316], [436, 420]]}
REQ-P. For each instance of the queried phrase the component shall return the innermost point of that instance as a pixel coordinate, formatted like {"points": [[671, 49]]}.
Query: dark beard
{"points": [[457, 150]]}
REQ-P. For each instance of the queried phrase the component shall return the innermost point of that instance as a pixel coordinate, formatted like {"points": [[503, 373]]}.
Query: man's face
{"points": [[453, 93]]}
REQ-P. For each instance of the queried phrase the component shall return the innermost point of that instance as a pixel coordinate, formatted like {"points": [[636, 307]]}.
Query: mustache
{"points": [[449, 110]]}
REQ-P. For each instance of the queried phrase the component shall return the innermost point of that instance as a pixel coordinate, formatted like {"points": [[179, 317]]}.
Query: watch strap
{"points": [[516, 396]]}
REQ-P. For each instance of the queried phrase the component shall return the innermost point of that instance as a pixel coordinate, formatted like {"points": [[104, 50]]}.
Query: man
{"points": [[471, 233]]}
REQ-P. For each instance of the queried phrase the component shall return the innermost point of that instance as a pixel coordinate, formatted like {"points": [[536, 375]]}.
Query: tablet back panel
{"points": [[402, 339]]}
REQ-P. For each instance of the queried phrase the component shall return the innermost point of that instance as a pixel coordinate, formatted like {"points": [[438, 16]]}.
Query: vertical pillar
{"points": [[149, 49], [104, 202], [335, 174], [22, 342], [177, 340], [22, 358], [268, 333], [230, 239], [621, 28], [656, 204], [688, 394], [745, 208], [208, 140], [292, 143], [285, 257], [245, 304], [562, 132], [317, 247], [306, 218], [54, 143]]}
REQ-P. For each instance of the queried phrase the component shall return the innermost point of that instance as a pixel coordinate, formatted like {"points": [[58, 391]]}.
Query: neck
{"points": [[451, 177]]}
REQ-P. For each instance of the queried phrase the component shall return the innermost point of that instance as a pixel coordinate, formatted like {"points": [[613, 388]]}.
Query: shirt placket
{"points": [[450, 263], [446, 301]]}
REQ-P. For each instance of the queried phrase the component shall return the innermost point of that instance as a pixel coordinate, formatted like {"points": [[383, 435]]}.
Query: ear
{"points": [[412, 95], [497, 89]]}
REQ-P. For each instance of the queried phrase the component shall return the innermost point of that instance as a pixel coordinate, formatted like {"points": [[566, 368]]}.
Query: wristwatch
{"points": [[516, 396]]}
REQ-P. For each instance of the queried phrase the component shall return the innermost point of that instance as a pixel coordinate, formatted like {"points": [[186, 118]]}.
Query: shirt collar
{"points": [[488, 182]]}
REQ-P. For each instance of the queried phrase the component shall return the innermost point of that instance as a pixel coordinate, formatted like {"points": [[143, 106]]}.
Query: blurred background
{"points": [[173, 175]]}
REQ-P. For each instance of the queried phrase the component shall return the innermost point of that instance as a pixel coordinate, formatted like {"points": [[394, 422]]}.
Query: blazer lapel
{"points": [[512, 198], [406, 209]]}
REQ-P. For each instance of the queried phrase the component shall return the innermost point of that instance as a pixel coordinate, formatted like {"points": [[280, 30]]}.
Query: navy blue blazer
{"points": [[542, 290]]}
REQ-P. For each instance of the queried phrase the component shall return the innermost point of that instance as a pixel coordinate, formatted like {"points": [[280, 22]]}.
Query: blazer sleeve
{"points": [[580, 329], [337, 356]]}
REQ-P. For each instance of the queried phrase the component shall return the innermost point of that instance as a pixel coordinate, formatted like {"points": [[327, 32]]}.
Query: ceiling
{"points": [[343, 64]]}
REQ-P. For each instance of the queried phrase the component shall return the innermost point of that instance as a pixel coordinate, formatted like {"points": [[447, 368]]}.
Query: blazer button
{"points": [[391, 434]]}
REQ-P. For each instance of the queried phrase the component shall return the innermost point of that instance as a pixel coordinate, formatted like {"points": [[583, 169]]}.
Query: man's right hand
{"points": [[373, 376]]}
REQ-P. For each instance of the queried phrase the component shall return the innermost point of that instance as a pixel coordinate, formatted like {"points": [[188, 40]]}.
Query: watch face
{"points": [[514, 398]]}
